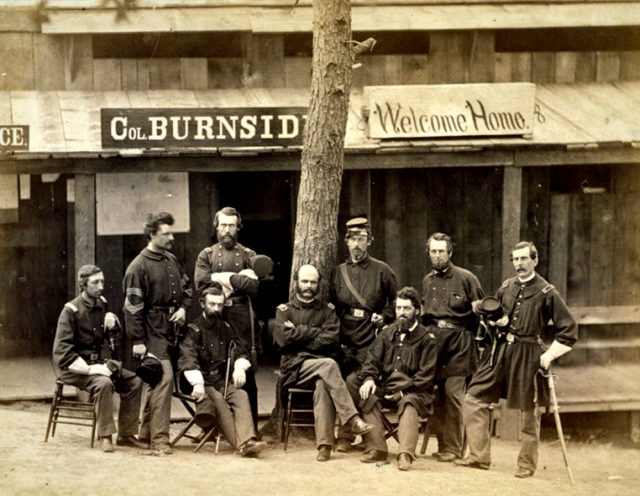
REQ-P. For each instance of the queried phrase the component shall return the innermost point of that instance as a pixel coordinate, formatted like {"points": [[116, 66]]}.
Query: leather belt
{"points": [[359, 313], [515, 338], [447, 324], [164, 309]]}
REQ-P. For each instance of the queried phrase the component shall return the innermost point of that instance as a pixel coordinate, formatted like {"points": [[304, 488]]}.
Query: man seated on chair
{"points": [[79, 351], [399, 372], [203, 359], [307, 333]]}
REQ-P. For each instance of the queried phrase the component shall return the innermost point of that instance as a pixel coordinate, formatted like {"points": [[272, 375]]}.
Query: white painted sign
{"points": [[452, 110]]}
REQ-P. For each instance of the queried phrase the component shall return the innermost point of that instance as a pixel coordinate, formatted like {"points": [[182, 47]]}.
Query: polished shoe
{"points": [[131, 442], [523, 473], [251, 448], [373, 456], [106, 444], [324, 453], [468, 462], [404, 462], [359, 426], [446, 457], [343, 445], [162, 449]]}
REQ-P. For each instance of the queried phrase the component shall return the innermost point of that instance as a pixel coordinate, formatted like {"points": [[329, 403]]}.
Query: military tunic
{"points": [[154, 286], [377, 284], [217, 258]]}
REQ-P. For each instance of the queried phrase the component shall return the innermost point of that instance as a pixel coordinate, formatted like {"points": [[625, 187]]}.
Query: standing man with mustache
{"points": [[157, 294], [529, 303], [228, 264], [363, 290], [447, 295]]}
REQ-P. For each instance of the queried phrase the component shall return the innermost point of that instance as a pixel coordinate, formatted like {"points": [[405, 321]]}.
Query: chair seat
{"points": [[66, 411]]}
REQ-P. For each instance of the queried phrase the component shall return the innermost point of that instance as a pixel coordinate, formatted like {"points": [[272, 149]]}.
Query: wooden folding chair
{"points": [[66, 411]]}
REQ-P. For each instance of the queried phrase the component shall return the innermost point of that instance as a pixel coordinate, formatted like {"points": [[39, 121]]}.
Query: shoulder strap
{"points": [[354, 292]]}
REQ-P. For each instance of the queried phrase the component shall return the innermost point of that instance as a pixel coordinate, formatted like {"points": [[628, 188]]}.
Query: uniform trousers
{"points": [[233, 415], [353, 385], [408, 430], [102, 388], [330, 397], [448, 424], [156, 413], [477, 420]]}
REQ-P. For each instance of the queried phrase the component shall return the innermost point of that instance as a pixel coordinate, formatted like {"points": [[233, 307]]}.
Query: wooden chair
{"points": [[66, 411], [298, 410]]}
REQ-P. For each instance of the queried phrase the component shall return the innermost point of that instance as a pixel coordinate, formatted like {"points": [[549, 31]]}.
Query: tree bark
{"points": [[323, 151]]}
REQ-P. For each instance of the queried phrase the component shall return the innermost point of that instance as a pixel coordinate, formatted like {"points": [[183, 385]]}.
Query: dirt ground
{"points": [[66, 465]]}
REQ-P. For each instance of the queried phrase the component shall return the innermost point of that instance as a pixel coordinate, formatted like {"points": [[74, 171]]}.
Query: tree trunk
{"points": [[323, 151]]}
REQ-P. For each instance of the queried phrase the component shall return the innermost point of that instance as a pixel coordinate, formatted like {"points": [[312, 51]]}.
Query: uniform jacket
{"points": [[153, 284], [80, 332], [415, 357], [377, 284], [315, 335], [448, 295], [217, 258], [205, 347]]}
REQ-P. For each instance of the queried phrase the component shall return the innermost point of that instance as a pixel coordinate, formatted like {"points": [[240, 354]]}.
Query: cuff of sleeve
{"points": [[242, 364], [194, 377], [558, 349], [79, 366]]}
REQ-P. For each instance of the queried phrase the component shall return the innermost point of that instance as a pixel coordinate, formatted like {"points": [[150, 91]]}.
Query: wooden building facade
{"points": [[574, 189]]}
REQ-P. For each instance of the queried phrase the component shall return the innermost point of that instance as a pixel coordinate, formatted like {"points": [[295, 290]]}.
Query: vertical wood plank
{"points": [[144, 82], [129, 76], [607, 67], [415, 69], [16, 61], [393, 69], [414, 232], [226, 73], [601, 255], [378, 187], [578, 263], [543, 67], [297, 72], [110, 258], [627, 249], [565, 70], [49, 64], [630, 66], [393, 216], [481, 62], [438, 57], [164, 74], [585, 67], [71, 236], [521, 67], [535, 216], [78, 63], [559, 242], [478, 215], [107, 74], [193, 73], [502, 67], [374, 68], [266, 57], [85, 219], [511, 210]]}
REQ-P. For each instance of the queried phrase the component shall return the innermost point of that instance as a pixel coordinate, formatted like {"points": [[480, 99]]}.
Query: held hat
{"points": [[150, 370], [490, 307], [262, 265], [358, 225]]}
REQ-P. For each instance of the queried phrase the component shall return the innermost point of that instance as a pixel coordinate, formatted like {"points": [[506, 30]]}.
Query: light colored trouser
{"points": [[233, 415], [447, 419], [477, 420], [156, 414], [408, 430], [329, 398]]}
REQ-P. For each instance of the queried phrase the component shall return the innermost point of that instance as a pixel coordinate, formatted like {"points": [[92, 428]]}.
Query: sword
{"points": [[551, 381], [230, 353]]}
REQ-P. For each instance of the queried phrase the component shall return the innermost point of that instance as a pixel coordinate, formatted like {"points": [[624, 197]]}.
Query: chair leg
{"points": [[182, 432], [54, 406], [287, 425], [93, 427], [207, 436], [425, 438]]}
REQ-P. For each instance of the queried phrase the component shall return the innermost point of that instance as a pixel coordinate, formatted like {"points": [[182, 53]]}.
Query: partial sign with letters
{"points": [[202, 127], [455, 110], [14, 137]]}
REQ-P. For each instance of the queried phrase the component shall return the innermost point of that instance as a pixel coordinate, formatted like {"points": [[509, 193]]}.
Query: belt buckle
{"points": [[358, 312], [228, 302], [441, 324], [171, 310], [94, 357], [510, 338]]}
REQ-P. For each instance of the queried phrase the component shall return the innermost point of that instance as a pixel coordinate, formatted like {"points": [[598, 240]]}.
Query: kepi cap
{"points": [[358, 225]]}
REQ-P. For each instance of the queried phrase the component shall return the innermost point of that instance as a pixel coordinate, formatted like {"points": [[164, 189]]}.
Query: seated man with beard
{"points": [[399, 371], [307, 333], [203, 356]]}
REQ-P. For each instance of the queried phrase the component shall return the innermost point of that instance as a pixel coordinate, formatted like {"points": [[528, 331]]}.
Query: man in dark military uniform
{"points": [[363, 290], [228, 263], [306, 332], [399, 371], [529, 303], [157, 295], [203, 355], [447, 294], [79, 349]]}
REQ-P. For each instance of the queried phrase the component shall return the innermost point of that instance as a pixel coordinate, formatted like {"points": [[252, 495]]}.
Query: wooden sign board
{"points": [[202, 127], [124, 200], [455, 110], [14, 138]]}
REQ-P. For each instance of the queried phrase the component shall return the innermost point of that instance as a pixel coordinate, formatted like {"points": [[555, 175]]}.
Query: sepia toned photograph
{"points": [[320, 247]]}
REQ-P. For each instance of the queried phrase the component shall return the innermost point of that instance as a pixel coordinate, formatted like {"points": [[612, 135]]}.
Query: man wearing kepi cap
{"points": [[84, 327], [229, 264], [209, 343], [510, 371], [363, 289], [157, 295], [447, 295]]}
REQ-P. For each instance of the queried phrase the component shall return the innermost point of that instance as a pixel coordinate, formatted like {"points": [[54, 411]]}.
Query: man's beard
{"points": [[357, 254], [405, 323], [439, 264], [227, 240], [212, 315], [307, 294]]}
